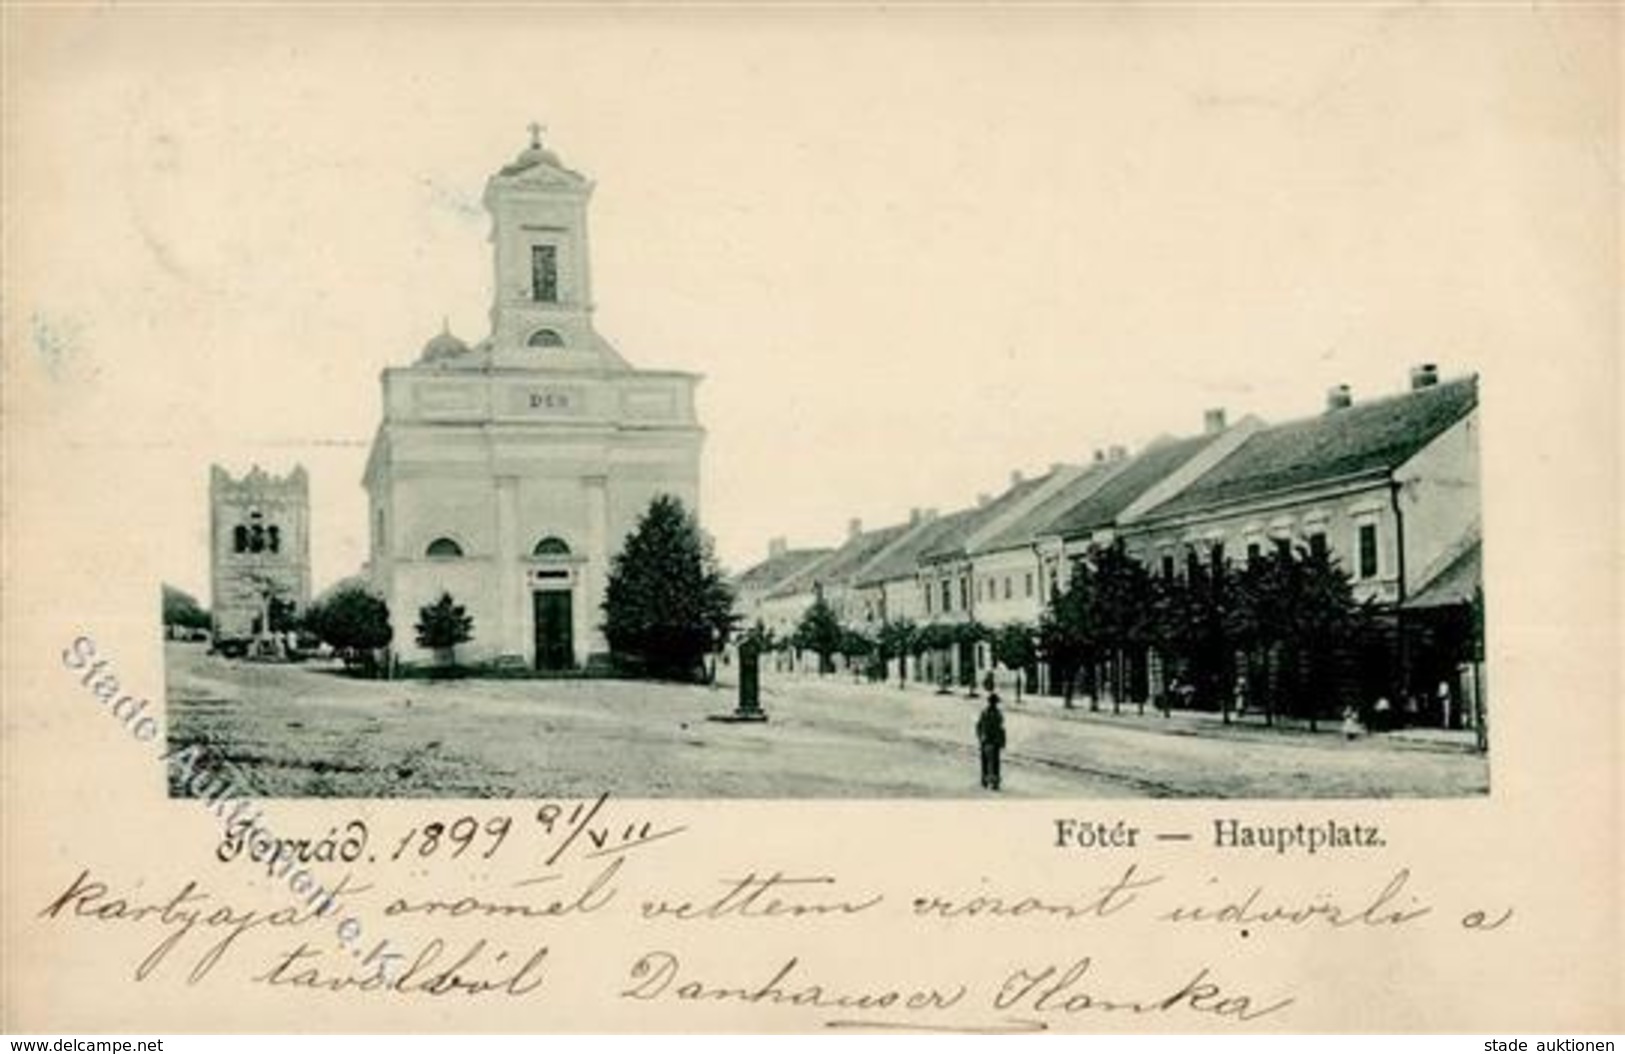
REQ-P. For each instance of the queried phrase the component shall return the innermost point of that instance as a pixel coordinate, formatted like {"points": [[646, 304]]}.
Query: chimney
{"points": [[1100, 455], [1338, 397], [777, 547], [1213, 421], [1116, 452], [1424, 376], [854, 527], [983, 500], [1015, 477]]}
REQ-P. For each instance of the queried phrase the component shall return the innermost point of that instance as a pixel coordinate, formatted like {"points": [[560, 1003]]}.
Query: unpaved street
{"points": [[305, 730]]}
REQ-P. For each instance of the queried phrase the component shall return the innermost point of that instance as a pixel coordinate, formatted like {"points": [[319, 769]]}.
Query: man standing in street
{"points": [[990, 734]]}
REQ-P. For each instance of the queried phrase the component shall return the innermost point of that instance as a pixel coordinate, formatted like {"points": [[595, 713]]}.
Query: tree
{"points": [[442, 626], [966, 636], [1015, 647], [761, 636], [283, 615], [353, 621], [820, 632], [1295, 617], [277, 612], [898, 639], [182, 610], [1065, 634], [667, 603], [1117, 610], [858, 645], [1191, 629], [937, 638]]}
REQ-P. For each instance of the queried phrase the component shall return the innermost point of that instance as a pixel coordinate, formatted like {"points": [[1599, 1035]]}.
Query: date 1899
{"points": [[561, 827]]}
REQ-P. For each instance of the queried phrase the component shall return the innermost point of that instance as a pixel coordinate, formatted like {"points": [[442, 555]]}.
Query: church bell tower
{"points": [[541, 310]]}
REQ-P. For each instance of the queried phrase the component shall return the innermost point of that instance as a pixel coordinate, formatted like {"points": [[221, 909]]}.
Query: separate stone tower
{"points": [[259, 549]]}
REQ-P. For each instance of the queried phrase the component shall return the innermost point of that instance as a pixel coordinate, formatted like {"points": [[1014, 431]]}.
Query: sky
{"points": [[910, 250]]}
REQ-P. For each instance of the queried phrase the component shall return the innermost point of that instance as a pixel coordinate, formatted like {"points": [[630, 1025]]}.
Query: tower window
{"points": [[544, 273], [273, 538], [443, 549], [239, 539], [546, 338]]}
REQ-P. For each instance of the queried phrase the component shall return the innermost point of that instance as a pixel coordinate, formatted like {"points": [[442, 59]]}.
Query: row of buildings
{"points": [[1388, 488]]}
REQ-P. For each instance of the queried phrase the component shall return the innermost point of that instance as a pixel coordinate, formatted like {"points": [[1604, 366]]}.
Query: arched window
{"points": [[444, 549], [273, 538], [239, 538], [546, 338], [552, 545], [256, 538]]}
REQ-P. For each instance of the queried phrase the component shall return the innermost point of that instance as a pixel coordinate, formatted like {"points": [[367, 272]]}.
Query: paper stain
{"points": [[453, 201], [57, 343]]}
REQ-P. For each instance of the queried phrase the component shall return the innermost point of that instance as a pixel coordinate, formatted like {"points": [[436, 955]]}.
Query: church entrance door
{"points": [[555, 649]]}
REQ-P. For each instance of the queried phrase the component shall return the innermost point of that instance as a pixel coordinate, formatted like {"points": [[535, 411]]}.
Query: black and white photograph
{"points": [[817, 518], [1058, 443]]}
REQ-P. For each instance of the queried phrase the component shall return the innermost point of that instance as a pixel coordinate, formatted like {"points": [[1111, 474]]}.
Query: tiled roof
{"points": [[951, 543], [1364, 438], [1456, 584], [776, 569], [844, 562], [901, 559], [1101, 507], [1033, 524]]}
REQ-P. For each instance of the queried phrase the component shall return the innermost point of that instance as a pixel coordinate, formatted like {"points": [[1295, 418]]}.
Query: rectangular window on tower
{"points": [[544, 273]]}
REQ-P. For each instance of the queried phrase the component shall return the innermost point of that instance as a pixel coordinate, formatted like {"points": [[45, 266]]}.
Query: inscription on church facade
{"points": [[551, 399]]}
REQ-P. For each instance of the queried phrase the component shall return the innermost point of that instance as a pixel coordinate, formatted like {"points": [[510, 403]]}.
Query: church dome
{"points": [[443, 345]]}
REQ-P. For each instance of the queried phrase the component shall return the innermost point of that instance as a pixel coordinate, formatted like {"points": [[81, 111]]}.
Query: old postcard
{"points": [[716, 519]]}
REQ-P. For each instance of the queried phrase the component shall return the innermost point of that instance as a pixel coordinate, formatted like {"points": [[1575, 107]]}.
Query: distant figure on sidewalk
{"points": [[1352, 726], [990, 735]]}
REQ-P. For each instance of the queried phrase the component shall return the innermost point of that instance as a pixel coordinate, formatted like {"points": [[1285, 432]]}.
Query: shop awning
{"points": [[1455, 584]]}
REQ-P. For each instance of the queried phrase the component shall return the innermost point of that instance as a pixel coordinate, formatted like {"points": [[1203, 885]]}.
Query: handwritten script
{"points": [[757, 936]]}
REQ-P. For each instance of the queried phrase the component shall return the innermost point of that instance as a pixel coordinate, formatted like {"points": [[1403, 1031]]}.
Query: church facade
{"points": [[509, 472]]}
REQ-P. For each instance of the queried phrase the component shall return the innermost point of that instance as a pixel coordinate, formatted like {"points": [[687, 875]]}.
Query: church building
{"points": [[509, 472]]}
